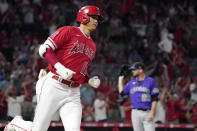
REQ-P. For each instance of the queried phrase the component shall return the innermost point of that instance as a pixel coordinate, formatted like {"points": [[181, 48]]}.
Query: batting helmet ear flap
{"points": [[85, 19]]}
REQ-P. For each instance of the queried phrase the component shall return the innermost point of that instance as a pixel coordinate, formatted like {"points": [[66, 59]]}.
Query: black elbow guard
{"points": [[122, 98], [122, 94], [155, 97]]}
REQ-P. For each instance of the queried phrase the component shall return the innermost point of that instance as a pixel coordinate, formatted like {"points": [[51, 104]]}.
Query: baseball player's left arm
{"points": [[94, 82]]}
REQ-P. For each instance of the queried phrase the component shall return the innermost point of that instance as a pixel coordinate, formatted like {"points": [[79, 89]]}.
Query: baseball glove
{"points": [[124, 71]]}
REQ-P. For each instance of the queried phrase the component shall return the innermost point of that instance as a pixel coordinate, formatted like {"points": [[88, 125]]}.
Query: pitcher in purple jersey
{"points": [[143, 92]]}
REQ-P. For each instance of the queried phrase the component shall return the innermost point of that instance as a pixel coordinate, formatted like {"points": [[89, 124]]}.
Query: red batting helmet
{"points": [[85, 12]]}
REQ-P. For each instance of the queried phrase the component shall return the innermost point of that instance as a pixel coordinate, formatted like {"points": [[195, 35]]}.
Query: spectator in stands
{"points": [[127, 110], [87, 94], [88, 113], [194, 113], [160, 114], [185, 86], [166, 43], [14, 102], [193, 90], [26, 105], [3, 6], [5, 83], [113, 109], [100, 108], [180, 88], [185, 106], [3, 107], [103, 88], [172, 108]]}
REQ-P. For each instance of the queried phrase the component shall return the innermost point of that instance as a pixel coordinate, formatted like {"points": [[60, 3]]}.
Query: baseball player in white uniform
{"points": [[69, 52]]}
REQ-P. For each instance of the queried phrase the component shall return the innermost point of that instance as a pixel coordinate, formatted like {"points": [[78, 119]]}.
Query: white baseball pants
{"points": [[139, 121], [56, 97]]}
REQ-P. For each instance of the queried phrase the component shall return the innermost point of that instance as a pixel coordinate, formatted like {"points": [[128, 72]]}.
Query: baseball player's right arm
{"points": [[46, 51], [120, 83]]}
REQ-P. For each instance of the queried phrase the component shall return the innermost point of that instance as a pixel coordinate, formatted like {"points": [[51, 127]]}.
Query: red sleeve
{"points": [[50, 57], [87, 77], [60, 36]]}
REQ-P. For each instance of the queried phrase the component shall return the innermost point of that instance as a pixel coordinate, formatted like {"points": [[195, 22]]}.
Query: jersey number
{"points": [[146, 98]]}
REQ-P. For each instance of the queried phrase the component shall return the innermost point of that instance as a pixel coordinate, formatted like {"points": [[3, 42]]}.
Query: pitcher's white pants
{"points": [[139, 121]]}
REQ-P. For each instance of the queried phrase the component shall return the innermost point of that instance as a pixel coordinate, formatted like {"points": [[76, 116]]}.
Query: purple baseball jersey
{"points": [[141, 91]]}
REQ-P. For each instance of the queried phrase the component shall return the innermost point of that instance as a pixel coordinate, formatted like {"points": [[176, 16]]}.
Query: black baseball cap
{"points": [[137, 65]]}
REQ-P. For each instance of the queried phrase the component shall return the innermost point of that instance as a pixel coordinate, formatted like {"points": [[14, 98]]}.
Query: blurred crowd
{"points": [[162, 34]]}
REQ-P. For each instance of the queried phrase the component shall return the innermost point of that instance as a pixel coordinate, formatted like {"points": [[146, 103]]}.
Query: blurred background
{"points": [[162, 34]]}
